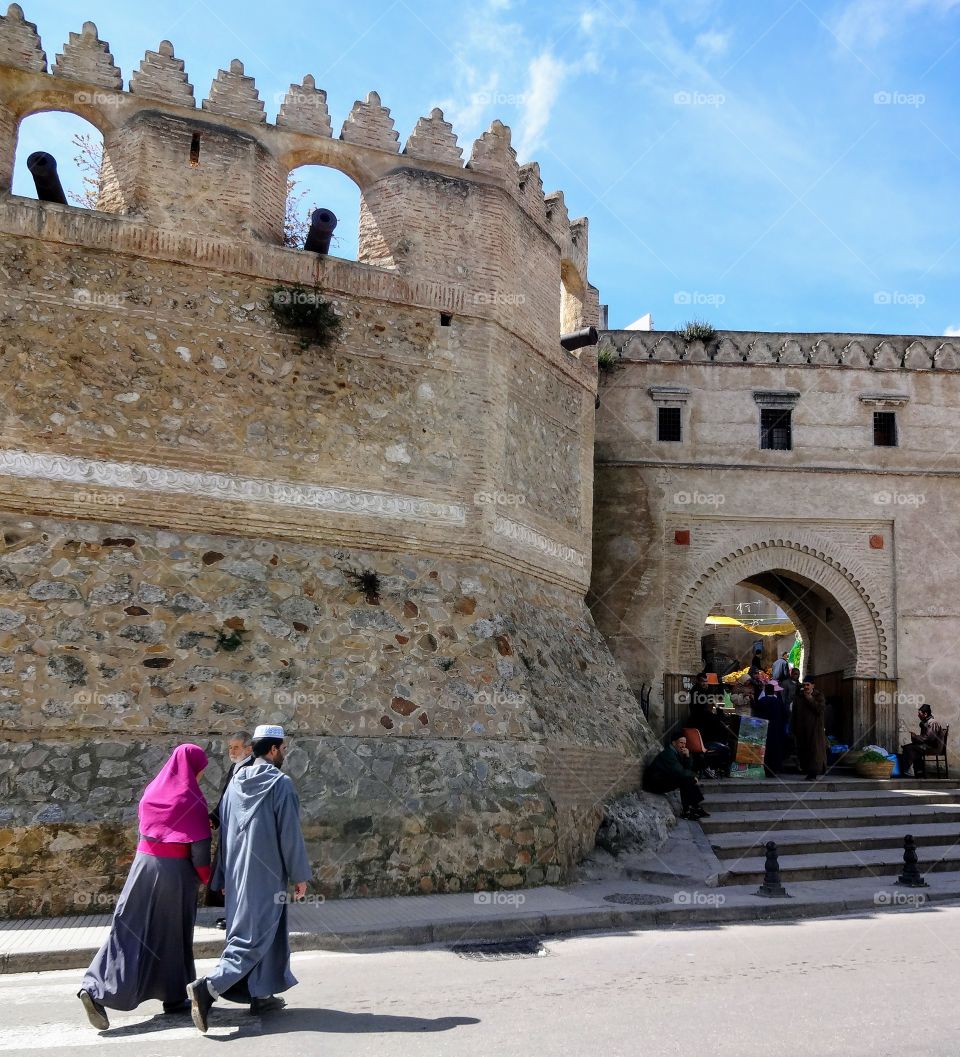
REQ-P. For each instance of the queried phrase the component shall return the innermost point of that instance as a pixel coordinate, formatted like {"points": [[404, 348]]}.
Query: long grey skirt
{"points": [[149, 952]]}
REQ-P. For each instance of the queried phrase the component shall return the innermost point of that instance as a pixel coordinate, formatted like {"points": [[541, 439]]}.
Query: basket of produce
{"points": [[872, 764]]}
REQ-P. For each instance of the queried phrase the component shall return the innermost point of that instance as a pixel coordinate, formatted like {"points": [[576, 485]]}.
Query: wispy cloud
{"points": [[713, 42], [865, 23], [952, 331], [546, 77]]}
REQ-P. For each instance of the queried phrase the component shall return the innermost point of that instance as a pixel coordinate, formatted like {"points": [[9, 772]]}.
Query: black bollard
{"points": [[772, 888], [43, 169], [911, 876]]}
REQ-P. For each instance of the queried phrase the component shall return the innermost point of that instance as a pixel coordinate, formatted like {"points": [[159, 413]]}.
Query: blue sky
{"points": [[774, 165]]}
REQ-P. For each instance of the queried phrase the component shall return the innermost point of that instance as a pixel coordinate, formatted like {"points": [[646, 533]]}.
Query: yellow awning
{"points": [[784, 627]]}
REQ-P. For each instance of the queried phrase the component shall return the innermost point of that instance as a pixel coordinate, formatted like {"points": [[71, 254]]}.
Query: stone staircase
{"points": [[837, 829]]}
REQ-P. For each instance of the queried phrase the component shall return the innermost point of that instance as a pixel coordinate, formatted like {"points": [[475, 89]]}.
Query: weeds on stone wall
{"points": [[367, 582], [606, 360], [307, 313], [697, 330]]}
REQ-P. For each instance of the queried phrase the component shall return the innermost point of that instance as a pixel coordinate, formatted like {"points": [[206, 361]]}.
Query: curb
{"points": [[540, 925]]}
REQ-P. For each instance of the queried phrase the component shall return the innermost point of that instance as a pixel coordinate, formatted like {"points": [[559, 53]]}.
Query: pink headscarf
{"points": [[172, 808]]}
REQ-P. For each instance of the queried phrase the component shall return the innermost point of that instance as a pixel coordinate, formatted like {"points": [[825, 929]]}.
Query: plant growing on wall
{"points": [[306, 313], [606, 360], [367, 582], [697, 330]]}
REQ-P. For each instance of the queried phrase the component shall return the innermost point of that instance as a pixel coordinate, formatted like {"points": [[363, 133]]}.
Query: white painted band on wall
{"points": [[146, 478], [529, 537]]}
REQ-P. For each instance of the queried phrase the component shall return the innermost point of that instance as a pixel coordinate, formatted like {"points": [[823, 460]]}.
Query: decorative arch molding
{"points": [[846, 583]]}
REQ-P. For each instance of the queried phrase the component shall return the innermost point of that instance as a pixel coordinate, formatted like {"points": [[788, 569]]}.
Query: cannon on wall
{"points": [[579, 339], [323, 223], [43, 169]]}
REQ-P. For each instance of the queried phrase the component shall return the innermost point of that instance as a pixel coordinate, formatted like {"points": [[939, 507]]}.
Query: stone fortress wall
{"points": [[186, 493]]}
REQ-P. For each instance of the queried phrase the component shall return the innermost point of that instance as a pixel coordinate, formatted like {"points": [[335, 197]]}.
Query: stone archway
{"points": [[864, 685], [801, 561]]}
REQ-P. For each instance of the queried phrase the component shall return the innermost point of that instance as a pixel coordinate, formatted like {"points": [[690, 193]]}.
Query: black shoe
{"points": [[96, 1014], [702, 812], [222, 924], [201, 1002], [270, 1004], [171, 1008], [812, 777]]}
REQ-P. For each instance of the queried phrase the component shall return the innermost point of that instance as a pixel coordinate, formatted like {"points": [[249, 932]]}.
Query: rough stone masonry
{"points": [[383, 544]]}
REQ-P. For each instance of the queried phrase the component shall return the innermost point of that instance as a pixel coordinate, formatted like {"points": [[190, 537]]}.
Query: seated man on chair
{"points": [[930, 739]]}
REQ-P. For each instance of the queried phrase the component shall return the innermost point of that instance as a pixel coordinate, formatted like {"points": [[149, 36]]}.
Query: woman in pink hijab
{"points": [[149, 952]]}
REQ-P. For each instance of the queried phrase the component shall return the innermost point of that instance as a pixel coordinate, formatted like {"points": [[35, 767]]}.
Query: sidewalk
{"points": [[674, 887]]}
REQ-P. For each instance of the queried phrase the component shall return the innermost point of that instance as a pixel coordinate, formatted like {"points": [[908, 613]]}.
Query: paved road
{"points": [[835, 988]]}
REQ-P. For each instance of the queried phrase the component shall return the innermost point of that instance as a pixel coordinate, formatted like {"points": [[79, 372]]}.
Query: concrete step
{"points": [[840, 801], [820, 840], [801, 817], [828, 784], [884, 863]]}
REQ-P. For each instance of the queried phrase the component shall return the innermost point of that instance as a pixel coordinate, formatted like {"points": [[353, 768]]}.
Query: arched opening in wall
{"points": [[775, 621], [572, 295], [77, 147], [311, 187]]}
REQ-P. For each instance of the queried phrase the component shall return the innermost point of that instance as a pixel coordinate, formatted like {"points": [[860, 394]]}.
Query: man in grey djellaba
{"points": [[262, 852]]}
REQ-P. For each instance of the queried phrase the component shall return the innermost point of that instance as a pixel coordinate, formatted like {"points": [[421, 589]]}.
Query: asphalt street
{"points": [[864, 986]]}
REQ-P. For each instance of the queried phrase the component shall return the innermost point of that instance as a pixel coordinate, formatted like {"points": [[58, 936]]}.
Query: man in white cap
{"points": [[261, 853]]}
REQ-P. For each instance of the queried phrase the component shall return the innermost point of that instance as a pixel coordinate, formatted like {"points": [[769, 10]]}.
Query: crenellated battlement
{"points": [[160, 99], [887, 352]]}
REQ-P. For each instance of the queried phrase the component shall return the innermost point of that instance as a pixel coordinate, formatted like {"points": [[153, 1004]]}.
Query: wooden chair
{"points": [[938, 752]]}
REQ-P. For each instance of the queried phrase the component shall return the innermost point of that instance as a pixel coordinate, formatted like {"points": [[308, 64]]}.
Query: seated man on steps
{"points": [[670, 770], [930, 739]]}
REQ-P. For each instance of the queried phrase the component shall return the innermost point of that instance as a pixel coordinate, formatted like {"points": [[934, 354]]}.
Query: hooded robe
{"points": [[808, 729], [149, 951], [261, 853]]}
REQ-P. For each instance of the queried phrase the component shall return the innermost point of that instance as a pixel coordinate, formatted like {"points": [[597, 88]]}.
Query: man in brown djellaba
{"points": [[808, 729]]}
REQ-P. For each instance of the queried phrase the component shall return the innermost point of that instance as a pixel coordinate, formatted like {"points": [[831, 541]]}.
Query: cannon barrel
{"points": [[43, 169], [322, 225], [578, 339]]}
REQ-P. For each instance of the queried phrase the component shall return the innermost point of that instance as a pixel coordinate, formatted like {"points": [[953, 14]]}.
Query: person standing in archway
{"points": [[809, 707]]}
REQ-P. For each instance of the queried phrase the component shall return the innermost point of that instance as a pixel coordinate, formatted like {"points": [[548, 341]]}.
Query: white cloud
{"points": [[713, 42], [546, 76], [952, 331], [865, 23]]}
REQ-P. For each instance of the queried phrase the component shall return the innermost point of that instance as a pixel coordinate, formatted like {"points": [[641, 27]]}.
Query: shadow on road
{"points": [[329, 1021]]}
